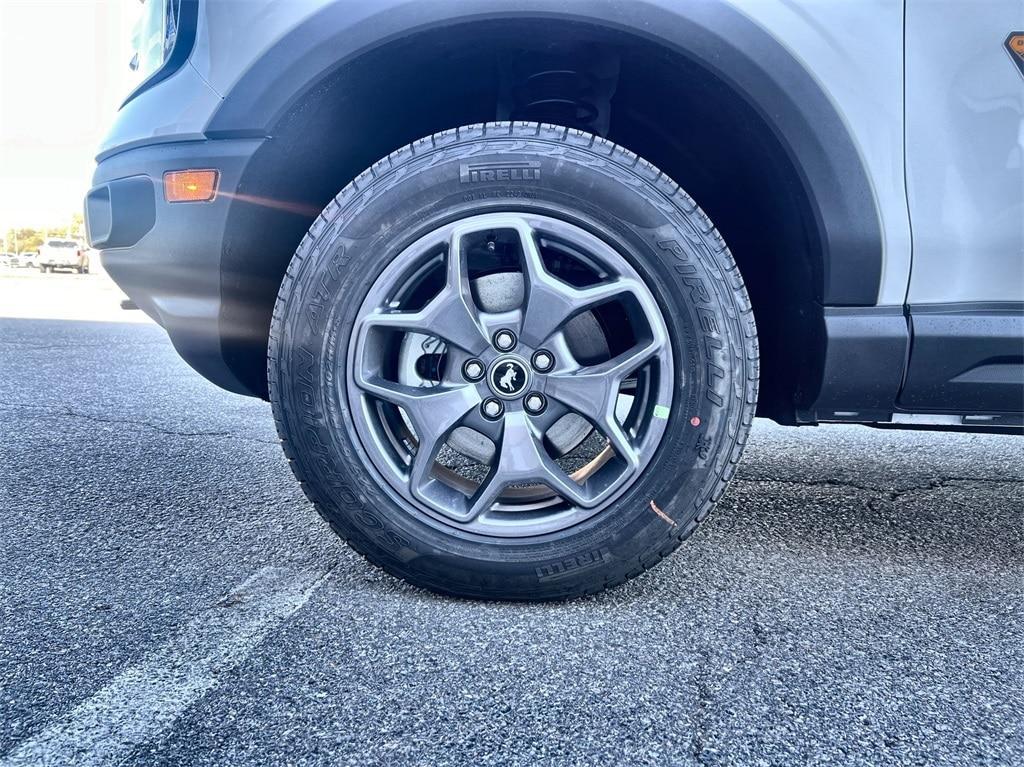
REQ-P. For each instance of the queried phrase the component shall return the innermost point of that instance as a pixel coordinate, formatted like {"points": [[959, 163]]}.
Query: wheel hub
{"points": [[509, 377]]}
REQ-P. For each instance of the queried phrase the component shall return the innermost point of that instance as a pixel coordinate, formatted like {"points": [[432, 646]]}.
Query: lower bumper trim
{"points": [[119, 213]]}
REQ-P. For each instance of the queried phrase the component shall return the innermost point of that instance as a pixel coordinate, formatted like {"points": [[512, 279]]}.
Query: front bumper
{"points": [[167, 256]]}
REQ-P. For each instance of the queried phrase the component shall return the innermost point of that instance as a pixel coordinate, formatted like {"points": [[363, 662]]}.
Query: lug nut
{"points": [[473, 370], [535, 403], [543, 361], [492, 408], [504, 340]]}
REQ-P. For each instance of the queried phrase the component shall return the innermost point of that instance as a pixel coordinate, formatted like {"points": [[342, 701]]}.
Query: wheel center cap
{"points": [[508, 377]]}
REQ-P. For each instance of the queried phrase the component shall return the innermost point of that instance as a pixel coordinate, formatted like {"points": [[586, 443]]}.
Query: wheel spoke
{"points": [[620, 442], [435, 413], [619, 367], [550, 302], [446, 316], [475, 420], [593, 391], [451, 314], [423, 403], [552, 414], [487, 494], [522, 459]]}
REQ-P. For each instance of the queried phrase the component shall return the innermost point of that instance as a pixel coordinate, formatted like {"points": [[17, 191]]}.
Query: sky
{"points": [[63, 73]]}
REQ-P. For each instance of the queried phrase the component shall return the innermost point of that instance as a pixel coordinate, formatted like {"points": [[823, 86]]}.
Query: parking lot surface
{"points": [[168, 595]]}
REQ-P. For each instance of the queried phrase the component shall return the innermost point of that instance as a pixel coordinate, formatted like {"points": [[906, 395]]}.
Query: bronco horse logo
{"points": [[508, 378]]}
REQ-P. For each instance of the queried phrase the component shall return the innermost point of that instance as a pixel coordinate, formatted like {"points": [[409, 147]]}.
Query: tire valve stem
{"points": [[490, 246]]}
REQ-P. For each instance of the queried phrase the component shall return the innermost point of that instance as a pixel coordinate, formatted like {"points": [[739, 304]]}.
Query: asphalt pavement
{"points": [[168, 596]]}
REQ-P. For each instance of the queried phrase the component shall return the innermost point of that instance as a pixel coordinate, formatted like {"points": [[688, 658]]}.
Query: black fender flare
{"points": [[713, 33]]}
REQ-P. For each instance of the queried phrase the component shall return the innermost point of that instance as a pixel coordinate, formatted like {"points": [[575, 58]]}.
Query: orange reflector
{"points": [[190, 185]]}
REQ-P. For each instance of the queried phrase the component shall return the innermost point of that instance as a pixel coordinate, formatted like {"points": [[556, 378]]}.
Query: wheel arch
{"points": [[827, 246]]}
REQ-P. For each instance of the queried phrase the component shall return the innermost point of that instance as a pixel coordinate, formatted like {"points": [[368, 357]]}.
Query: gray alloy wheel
{"points": [[509, 378], [513, 361]]}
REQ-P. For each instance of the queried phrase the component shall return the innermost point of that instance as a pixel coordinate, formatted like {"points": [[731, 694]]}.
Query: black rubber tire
{"points": [[619, 197]]}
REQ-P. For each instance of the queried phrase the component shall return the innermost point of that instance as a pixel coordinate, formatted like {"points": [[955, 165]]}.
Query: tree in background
{"points": [[76, 228], [30, 239], [21, 240]]}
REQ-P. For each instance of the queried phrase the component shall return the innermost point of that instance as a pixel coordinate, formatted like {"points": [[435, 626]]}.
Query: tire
{"points": [[615, 202]]}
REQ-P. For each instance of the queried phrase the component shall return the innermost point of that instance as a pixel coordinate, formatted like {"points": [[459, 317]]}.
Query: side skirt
{"points": [[952, 366], [965, 358]]}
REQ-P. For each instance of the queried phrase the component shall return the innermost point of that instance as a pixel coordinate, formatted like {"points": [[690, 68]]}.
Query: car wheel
{"points": [[513, 361]]}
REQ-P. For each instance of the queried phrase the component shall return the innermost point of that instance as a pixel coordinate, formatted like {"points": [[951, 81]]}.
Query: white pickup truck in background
{"points": [[61, 254]]}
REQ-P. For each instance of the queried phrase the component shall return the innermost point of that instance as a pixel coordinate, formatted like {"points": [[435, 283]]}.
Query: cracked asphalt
{"points": [[857, 598]]}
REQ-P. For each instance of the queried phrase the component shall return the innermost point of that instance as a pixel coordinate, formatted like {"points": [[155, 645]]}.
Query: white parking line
{"points": [[145, 700]]}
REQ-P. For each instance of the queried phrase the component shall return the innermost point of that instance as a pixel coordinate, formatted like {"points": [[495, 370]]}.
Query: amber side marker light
{"points": [[1015, 45], [190, 185]]}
